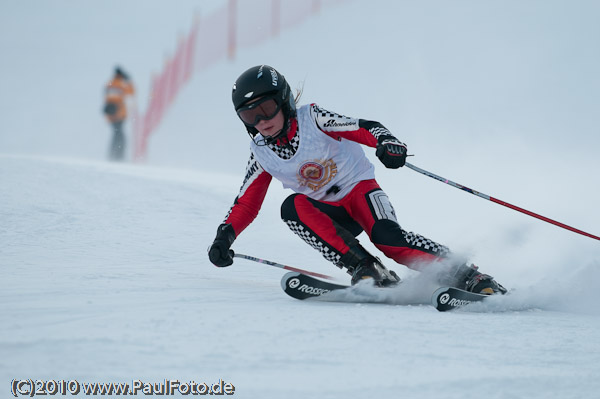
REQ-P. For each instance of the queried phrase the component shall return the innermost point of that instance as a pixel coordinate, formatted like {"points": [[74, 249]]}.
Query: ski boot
{"points": [[362, 265], [469, 278], [371, 267]]}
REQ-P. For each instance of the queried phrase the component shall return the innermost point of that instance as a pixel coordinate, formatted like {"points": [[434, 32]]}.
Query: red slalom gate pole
{"points": [[279, 265], [497, 201]]}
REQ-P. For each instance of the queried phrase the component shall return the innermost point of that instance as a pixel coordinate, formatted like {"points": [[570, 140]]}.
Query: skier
{"points": [[115, 110], [318, 154]]}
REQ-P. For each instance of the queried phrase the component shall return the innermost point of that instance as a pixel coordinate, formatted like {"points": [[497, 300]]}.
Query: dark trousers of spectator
{"points": [[117, 145]]}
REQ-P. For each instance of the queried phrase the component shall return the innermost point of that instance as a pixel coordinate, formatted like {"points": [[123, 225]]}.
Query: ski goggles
{"points": [[264, 109]]}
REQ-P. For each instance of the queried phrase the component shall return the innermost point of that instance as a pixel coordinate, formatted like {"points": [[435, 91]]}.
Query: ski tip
{"points": [[448, 298], [287, 277], [435, 297]]}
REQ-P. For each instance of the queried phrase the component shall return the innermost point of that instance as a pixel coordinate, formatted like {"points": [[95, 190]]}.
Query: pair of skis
{"points": [[302, 286]]}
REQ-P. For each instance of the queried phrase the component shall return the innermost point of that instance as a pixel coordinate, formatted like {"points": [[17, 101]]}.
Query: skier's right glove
{"points": [[219, 253], [391, 152]]}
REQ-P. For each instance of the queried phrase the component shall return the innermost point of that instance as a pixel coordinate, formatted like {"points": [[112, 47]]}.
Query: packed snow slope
{"points": [[105, 276]]}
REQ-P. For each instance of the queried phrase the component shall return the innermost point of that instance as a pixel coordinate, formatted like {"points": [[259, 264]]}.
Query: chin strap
{"points": [[261, 140], [282, 138]]}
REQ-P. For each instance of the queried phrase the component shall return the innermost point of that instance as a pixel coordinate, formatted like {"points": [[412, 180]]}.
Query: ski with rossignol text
{"points": [[301, 286], [448, 298]]}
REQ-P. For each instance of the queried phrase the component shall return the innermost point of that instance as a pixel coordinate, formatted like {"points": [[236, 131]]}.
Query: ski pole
{"points": [[497, 201], [279, 265]]}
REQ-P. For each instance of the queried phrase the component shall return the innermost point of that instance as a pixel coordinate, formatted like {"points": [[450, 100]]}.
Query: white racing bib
{"points": [[320, 163]]}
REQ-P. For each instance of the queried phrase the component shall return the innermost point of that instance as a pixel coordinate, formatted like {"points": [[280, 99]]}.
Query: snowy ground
{"points": [[105, 273], [106, 279]]}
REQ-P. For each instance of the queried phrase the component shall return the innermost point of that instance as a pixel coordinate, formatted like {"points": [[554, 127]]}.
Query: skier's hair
{"points": [[299, 92]]}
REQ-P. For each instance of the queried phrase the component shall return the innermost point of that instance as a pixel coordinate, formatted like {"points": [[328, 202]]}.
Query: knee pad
{"points": [[288, 209], [388, 232]]}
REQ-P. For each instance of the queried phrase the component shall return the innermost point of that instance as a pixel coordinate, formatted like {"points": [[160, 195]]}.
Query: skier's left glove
{"points": [[391, 152], [219, 253]]}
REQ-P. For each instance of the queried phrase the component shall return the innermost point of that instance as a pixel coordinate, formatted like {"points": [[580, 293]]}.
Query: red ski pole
{"points": [[497, 201], [279, 265]]}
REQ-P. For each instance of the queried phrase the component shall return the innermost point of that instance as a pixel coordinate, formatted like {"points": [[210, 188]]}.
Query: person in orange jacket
{"points": [[115, 110]]}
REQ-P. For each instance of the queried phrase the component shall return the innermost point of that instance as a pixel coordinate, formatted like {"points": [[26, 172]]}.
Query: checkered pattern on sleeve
{"points": [[329, 121], [378, 131], [253, 170]]}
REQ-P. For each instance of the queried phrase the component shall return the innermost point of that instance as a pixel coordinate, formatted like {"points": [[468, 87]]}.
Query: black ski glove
{"points": [[219, 253], [391, 152]]}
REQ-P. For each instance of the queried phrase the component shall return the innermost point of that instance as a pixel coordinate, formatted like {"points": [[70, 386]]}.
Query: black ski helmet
{"points": [[259, 81]]}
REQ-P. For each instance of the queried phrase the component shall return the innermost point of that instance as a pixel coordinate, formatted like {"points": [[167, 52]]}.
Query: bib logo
{"points": [[316, 174]]}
